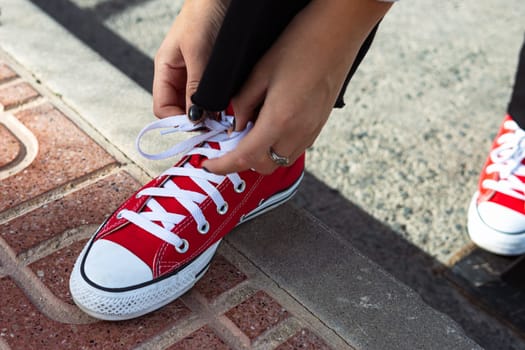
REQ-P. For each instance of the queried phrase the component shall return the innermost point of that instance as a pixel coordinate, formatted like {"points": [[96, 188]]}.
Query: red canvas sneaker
{"points": [[496, 217], [161, 240]]}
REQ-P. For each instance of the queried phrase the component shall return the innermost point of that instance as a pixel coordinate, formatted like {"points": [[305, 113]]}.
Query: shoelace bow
{"points": [[507, 161], [211, 131]]}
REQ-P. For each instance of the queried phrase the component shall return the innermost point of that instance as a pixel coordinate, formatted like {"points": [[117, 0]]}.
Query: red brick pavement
{"points": [[48, 210]]}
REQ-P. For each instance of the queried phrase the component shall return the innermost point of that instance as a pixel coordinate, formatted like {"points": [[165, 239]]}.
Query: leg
{"points": [[496, 218], [359, 58], [516, 107], [237, 51], [248, 30]]}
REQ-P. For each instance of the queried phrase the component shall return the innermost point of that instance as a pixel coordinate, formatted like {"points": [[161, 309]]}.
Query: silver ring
{"points": [[277, 159]]}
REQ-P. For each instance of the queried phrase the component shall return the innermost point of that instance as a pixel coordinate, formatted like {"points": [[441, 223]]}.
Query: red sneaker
{"points": [[496, 218], [161, 240]]}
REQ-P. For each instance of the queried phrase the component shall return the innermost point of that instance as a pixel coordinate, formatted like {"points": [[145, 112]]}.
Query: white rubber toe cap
{"points": [[110, 265], [500, 218]]}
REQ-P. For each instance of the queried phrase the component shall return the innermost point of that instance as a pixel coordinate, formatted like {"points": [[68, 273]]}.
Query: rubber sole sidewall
{"points": [[490, 239]]}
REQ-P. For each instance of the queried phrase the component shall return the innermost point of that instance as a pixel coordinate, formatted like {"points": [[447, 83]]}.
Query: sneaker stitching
{"points": [[184, 224], [213, 237]]}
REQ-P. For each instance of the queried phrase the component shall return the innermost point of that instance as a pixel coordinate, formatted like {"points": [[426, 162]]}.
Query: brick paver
{"points": [[65, 154], [16, 95], [54, 269], [6, 73], [90, 205], [305, 340], [24, 327], [204, 338], [49, 209], [221, 277], [9, 147], [257, 314]]}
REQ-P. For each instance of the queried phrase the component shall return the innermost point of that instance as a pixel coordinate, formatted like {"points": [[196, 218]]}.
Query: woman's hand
{"points": [[293, 88], [183, 55]]}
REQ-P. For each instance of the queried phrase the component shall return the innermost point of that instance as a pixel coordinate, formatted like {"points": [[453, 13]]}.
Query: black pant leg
{"points": [[516, 108], [358, 59], [249, 29]]}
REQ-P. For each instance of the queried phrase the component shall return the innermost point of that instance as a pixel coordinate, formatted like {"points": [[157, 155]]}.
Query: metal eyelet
{"points": [[119, 215], [183, 248], [204, 228], [222, 209], [138, 195], [240, 187]]}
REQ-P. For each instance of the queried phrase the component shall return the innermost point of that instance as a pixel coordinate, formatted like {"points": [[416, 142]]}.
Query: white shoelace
{"points": [[507, 160], [213, 131]]}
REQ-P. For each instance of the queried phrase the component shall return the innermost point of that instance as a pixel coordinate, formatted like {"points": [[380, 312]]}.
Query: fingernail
{"points": [[195, 113]]}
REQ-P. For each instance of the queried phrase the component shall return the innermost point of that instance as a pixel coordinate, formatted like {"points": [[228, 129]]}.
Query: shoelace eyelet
{"points": [[241, 187], [204, 228], [223, 209], [119, 215], [183, 248]]}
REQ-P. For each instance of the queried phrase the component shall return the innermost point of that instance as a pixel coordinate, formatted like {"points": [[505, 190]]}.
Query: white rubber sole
{"points": [[492, 240], [273, 202], [117, 305], [123, 305]]}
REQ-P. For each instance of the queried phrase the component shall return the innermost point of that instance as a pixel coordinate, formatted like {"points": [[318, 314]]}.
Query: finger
{"points": [[250, 98], [250, 153], [283, 158], [237, 161], [168, 90], [253, 151], [195, 66]]}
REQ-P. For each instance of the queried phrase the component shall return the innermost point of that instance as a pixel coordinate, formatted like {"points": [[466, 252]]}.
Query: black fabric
{"points": [[516, 108], [249, 28], [340, 103]]}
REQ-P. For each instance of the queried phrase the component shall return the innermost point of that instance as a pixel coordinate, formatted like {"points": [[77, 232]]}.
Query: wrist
{"points": [[205, 16], [345, 25]]}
